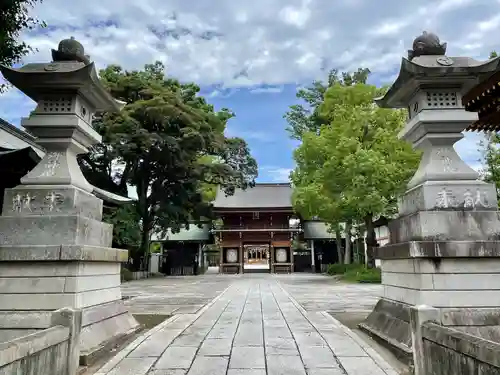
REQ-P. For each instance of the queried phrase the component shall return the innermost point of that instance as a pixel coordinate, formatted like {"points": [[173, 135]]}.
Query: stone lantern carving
{"points": [[448, 225], [52, 238]]}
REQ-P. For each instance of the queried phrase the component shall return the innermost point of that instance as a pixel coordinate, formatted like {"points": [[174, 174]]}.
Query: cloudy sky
{"points": [[251, 56]]}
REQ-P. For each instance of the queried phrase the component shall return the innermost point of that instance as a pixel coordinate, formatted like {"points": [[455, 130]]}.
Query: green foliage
{"points": [[14, 18], [363, 275], [306, 117], [353, 167], [355, 272], [340, 269], [155, 247], [490, 148], [493, 54], [126, 228], [125, 275], [169, 144]]}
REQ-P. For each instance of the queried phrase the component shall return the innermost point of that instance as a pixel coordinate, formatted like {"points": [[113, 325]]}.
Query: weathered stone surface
{"points": [[440, 249], [176, 357], [39, 200], [249, 357], [446, 225], [208, 365], [133, 366], [51, 253], [463, 344], [285, 365], [257, 304], [440, 195], [54, 229], [216, 347]]}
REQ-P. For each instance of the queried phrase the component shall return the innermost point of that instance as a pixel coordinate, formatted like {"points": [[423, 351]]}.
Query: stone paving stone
{"points": [[325, 371], [194, 340], [360, 366], [177, 371], [281, 346], [318, 356], [309, 338], [176, 357], [154, 345], [209, 366], [222, 331], [216, 347], [133, 366], [254, 324], [249, 335], [249, 357], [279, 332], [239, 371], [344, 346], [284, 365]]}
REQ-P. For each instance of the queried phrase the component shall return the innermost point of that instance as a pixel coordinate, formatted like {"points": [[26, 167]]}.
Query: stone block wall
{"points": [[448, 351], [444, 283], [53, 351]]}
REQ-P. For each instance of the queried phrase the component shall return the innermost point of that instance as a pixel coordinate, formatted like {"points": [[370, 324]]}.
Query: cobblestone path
{"points": [[253, 328]]}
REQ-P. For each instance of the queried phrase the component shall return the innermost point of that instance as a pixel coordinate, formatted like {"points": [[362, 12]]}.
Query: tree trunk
{"points": [[338, 240], [371, 241], [146, 227], [348, 246]]}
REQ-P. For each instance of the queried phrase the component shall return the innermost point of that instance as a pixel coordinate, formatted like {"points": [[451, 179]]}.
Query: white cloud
{"points": [[277, 174], [263, 41], [232, 44]]}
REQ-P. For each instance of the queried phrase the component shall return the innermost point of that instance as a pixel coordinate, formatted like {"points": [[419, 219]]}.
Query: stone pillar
{"points": [[444, 250], [419, 315], [55, 252], [200, 254], [72, 319], [313, 258], [241, 258]]}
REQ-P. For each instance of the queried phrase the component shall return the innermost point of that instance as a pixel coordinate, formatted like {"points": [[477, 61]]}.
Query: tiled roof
{"points": [[260, 196]]}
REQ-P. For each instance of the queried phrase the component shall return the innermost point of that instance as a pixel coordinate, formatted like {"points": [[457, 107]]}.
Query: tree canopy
{"points": [[167, 143], [14, 18], [352, 166]]}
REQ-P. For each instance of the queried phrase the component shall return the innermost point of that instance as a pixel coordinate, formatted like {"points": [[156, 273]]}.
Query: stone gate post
{"points": [[444, 250]]}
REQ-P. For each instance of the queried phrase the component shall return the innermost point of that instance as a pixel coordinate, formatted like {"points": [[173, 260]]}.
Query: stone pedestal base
{"points": [[36, 280], [460, 279]]}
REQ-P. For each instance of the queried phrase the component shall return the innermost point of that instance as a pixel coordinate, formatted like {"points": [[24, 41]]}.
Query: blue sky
{"points": [[252, 57]]}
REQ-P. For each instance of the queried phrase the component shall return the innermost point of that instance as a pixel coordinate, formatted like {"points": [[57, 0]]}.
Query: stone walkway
{"points": [[253, 328]]}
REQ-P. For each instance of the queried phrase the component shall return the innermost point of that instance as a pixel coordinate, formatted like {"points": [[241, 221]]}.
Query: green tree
{"points": [[306, 117], [354, 167], [14, 18], [160, 144]]}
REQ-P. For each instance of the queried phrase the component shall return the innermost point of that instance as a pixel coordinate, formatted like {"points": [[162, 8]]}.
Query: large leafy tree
{"points": [[167, 143], [14, 18], [306, 117], [353, 166]]}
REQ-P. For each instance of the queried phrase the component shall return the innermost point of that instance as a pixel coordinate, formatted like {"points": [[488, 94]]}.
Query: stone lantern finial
{"points": [[427, 44], [70, 50]]}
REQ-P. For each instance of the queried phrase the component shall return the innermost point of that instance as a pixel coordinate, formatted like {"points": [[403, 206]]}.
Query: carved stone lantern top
{"points": [[68, 93], [427, 44], [70, 50], [70, 72]]}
